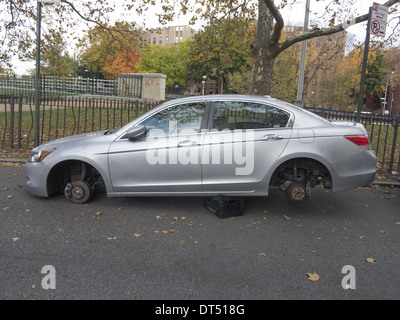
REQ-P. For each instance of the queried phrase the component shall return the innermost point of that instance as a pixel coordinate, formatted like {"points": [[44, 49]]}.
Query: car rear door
{"points": [[245, 140]]}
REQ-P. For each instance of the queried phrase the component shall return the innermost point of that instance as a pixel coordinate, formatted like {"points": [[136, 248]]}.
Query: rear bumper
{"points": [[356, 181], [360, 171]]}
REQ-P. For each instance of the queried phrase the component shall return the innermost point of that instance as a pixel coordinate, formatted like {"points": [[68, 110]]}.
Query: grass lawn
{"points": [[68, 118]]}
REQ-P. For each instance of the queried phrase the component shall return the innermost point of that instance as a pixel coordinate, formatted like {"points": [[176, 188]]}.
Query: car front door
{"points": [[245, 140], [166, 159]]}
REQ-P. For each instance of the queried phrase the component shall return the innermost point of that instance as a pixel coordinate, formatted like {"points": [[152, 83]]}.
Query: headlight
{"points": [[39, 155]]}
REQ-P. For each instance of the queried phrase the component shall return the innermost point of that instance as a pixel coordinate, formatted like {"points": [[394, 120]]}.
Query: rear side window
{"points": [[246, 115]]}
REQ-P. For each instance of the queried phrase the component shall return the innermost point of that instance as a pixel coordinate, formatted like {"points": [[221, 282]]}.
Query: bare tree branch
{"points": [[101, 25], [320, 32]]}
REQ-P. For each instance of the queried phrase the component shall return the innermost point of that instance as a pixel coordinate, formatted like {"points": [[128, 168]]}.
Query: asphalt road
{"points": [[173, 248]]}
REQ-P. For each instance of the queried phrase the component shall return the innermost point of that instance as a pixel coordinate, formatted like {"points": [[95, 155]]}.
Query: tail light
{"points": [[361, 141]]}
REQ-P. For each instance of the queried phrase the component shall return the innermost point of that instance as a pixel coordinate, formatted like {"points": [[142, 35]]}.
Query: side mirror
{"points": [[135, 132]]}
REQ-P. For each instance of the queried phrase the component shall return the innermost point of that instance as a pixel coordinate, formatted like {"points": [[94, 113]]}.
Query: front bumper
{"points": [[36, 179]]}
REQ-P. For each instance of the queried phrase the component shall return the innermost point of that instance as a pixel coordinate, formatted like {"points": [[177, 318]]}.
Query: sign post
{"points": [[377, 19]]}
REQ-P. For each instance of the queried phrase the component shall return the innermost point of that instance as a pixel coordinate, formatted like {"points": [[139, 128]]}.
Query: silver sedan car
{"points": [[219, 145]]}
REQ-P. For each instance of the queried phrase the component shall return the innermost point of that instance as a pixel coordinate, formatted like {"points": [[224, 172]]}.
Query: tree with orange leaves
{"points": [[110, 51], [123, 61]]}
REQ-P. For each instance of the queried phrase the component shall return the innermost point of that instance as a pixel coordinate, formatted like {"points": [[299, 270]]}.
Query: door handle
{"points": [[187, 143], [272, 137]]}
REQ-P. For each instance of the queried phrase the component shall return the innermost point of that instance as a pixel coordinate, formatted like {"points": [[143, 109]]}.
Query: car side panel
{"points": [[350, 166]]}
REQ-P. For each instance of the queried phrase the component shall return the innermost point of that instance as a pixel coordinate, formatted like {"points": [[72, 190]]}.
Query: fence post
{"points": [[12, 122], [19, 142], [396, 128]]}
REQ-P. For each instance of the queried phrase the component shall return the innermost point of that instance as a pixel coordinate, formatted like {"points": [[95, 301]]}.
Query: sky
{"points": [[293, 14]]}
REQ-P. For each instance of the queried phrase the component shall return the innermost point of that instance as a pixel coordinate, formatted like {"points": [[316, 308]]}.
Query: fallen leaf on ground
{"points": [[137, 235], [98, 213], [9, 197], [15, 239], [111, 238], [313, 276], [262, 254], [4, 189], [370, 260]]}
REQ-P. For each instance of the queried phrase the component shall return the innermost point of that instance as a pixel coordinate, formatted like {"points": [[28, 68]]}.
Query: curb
{"points": [[392, 184], [381, 183], [13, 160]]}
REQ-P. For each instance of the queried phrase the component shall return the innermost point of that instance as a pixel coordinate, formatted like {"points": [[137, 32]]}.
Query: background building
{"points": [[323, 54], [166, 36]]}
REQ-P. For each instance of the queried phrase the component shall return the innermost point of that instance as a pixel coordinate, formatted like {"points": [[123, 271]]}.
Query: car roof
{"points": [[302, 116], [263, 99]]}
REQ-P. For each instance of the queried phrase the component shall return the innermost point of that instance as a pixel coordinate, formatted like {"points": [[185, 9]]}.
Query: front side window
{"points": [[175, 120], [247, 115]]}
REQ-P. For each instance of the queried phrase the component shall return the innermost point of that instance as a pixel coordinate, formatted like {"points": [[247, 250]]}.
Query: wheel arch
{"points": [[56, 173], [309, 159]]}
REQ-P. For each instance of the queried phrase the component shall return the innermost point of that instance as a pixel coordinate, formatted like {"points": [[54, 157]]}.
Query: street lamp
{"points": [[386, 95], [204, 82], [37, 77]]}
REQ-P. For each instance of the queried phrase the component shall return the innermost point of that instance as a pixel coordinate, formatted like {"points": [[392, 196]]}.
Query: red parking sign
{"points": [[378, 20]]}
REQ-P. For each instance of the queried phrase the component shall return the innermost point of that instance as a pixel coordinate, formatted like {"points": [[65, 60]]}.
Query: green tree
{"points": [[375, 80], [222, 49], [171, 61], [56, 61]]}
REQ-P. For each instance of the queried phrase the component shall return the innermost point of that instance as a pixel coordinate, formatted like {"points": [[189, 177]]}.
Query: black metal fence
{"points": [[52, 86], [383, 132], [64, 116]]}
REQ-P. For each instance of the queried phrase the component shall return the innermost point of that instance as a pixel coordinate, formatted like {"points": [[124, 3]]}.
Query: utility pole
{"points": [[300, 86]]}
